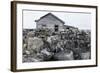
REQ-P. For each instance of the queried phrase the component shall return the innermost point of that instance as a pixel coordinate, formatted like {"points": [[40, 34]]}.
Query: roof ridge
{"points": [[52, 15]]}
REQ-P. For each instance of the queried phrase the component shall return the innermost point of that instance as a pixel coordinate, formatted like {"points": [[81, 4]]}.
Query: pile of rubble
{"points": [[45, 45]]}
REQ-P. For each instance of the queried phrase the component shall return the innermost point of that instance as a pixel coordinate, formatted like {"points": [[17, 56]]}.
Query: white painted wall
{"points": [[5, 37]]}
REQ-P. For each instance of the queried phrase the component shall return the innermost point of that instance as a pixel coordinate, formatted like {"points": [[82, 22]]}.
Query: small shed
{"points": [[50, 21]]}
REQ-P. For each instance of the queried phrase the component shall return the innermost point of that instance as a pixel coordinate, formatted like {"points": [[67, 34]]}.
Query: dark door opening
{"points": [[56, 28]]}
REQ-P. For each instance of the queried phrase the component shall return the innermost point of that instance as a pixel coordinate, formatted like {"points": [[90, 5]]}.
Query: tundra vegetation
{"points": [[41, 45]]}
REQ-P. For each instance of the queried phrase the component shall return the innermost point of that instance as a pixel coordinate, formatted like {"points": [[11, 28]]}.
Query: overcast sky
{"points": [[80, 20]]}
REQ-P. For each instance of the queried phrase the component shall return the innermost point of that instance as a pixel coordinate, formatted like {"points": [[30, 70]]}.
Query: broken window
{"points": [[56, 28]]}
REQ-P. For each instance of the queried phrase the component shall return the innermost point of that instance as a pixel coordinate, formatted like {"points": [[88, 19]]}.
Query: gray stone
{"points": [[34, 43], [64, 55], [85, 55]]}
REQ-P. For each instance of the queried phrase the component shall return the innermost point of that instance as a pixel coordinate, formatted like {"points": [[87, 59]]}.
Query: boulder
{"points": [[34, 43], [64, 55], [49, 39], [32, 59], [46, 54], [24, 46], [53, 38], [31, 34], [85, 55]]}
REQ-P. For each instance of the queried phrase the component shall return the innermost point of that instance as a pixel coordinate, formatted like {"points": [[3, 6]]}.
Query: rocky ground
{"points": [[44, 45]]}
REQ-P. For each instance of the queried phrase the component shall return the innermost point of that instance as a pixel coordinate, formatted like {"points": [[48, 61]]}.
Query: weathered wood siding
{"points": [[50, 23]]}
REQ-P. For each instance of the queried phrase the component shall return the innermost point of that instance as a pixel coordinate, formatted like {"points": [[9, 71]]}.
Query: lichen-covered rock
{"points": [[34, 43]]}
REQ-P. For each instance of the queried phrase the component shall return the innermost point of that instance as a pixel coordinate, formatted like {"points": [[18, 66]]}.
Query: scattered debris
{"points": [[45, 45]]}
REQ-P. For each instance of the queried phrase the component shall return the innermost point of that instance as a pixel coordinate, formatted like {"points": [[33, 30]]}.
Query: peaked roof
{"points": [[51, 15]]}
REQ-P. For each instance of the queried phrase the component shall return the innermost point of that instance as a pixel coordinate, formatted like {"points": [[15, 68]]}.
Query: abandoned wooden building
{"points": [[52, 22]]}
